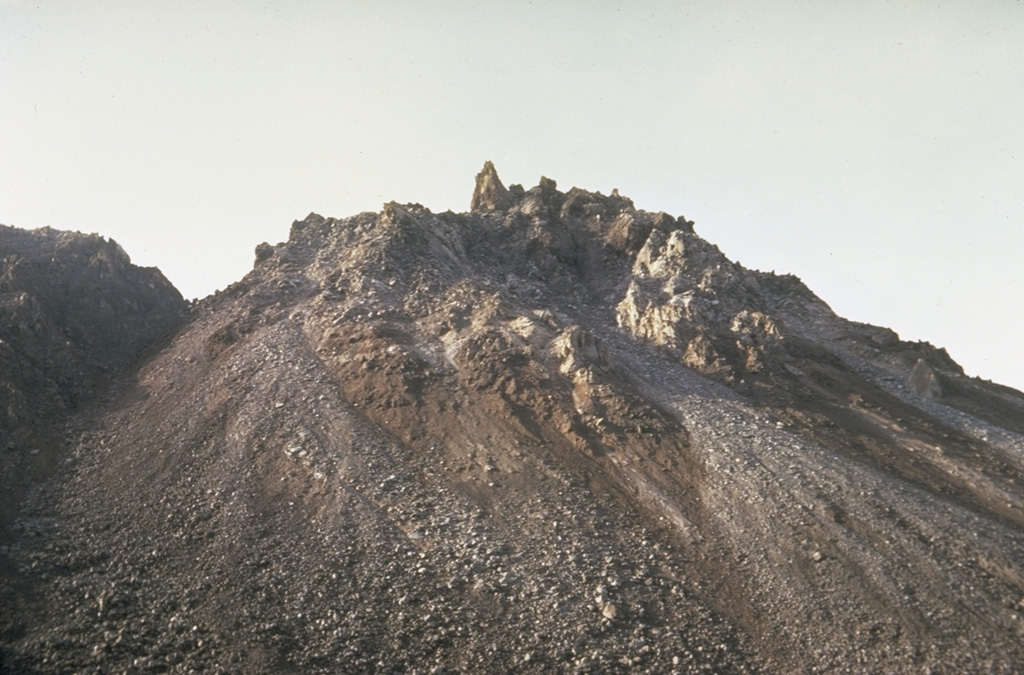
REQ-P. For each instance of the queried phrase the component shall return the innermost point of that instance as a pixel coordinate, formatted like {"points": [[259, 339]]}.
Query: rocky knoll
{"points": [[556, 433], [74, 312]]}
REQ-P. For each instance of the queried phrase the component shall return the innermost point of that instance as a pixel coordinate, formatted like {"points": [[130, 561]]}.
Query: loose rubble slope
{"points": [[74, 312], [556, 433]]}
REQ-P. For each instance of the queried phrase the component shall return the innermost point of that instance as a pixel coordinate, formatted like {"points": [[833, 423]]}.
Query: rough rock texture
{"points": [[73, 312], [490, 194], [562, 435], [923, 381]]}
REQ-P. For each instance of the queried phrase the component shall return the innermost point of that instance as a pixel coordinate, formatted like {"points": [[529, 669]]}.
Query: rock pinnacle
{"points": [[490, 194]]}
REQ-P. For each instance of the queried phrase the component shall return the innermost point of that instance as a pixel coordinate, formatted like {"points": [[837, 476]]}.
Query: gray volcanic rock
{"points": [[554, 434], [923, 381]]}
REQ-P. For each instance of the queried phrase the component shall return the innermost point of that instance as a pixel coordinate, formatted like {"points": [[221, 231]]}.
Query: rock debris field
{"points": [[556, 433]]}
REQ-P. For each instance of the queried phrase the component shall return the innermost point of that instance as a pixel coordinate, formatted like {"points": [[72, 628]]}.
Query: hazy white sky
{"points": [[872, 148]]}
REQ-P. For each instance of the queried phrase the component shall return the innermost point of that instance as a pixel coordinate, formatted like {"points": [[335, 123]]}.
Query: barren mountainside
{"points": [[556, 433], [74, 311]]}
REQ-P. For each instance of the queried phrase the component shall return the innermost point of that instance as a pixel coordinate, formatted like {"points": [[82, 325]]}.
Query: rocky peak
{"points": [[490, 194]]}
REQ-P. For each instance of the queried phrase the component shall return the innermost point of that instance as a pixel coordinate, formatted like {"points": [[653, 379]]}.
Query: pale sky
{"points": [[874, 149]]}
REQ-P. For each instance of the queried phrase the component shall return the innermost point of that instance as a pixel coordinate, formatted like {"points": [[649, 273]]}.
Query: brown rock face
{"points": [[555, 434]]}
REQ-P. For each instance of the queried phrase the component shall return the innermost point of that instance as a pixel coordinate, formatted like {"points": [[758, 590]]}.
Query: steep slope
{"points": [[73, 311], [556, 433]]}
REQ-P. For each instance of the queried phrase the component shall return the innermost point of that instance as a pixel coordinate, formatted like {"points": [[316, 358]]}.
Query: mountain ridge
{"points": [[553, 433]]}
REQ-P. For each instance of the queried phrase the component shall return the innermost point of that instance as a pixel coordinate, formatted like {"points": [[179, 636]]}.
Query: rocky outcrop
{"points": [[688, 299], [490, 194], [923, 381]]}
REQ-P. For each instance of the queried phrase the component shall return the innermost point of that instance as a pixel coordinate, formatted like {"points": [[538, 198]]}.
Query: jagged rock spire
{"points": [[490, 194]]}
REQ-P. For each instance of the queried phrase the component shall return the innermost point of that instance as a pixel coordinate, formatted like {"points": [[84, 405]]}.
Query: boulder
{"points": [[923, 381]]}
